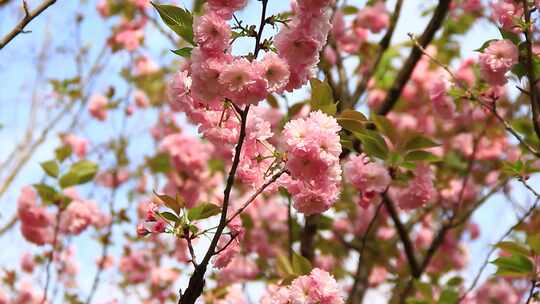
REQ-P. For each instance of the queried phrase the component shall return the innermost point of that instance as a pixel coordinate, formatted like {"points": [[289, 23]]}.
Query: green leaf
{"points": [[175, 204], [85, 170], [349, 10], [534, 242], [351, 120], [325, 223], [170, 216], [63, 152], [46, 193], [184, 52], [385, 126], [485, 45], [69, 179], [160, 163], [51, 168], [455, 281], [272, 101], [425, 289], [516, 263], [322, 97], [421, 155], [448, 296], [419, 142], [300, 265], [204, 210], [510, 36], [80, 172], [373, 143], [295, 109], [284, 265], [513, 248], [177, 19]]}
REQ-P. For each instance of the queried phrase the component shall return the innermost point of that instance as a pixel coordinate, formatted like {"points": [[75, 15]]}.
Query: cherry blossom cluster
{"points": [[317, 287], [313, 148], [370, 178], [349, 38], [36, 221], [496, 60], [38, 224]]}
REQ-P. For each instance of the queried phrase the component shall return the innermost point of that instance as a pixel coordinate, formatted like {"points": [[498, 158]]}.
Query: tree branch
{"points": [[197, 281], [529, 66], [406, 71], [403, 235], [383, 46], [28, 17]]}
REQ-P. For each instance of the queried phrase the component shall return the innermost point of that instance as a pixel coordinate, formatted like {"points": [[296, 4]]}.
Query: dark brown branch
{"points": [[409, 65], [307, 239], [360, 267], [255, 194], [404, 236], [529, 65], [197, 281], [28, 17], [384, 44]]}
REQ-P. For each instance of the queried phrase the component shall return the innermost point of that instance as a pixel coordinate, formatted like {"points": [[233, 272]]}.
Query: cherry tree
{"points": [[235, 151]]}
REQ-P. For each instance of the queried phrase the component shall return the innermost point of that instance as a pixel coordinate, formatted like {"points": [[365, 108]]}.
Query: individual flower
{"points": [[212, 33], [97, 106], [419, 191], [497, 59], [242, 82], [225, 8], [370, 178], [78, 145], [227, 249], [375, 18], [275, 71]]}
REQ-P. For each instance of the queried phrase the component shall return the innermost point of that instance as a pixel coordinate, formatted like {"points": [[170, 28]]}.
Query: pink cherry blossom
{"points": [[242, 82], [497, 59], [212, 33], [97, 106], [225, 8], [375, 18], [420, 190], [78, 145]]}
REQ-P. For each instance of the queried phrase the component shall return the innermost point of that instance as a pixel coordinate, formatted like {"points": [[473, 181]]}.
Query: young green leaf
{"points": [[322, 97], [175, 204], [204, 210], [177, 19], [300, 265], [420, 142], [184, 52], [51, 168]]}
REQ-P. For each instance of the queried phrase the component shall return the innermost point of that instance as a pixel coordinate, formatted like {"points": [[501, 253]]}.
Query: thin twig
{"points": [[403, 235], [28, 17], [472, 96], [51, 257], [493, 248], [362, 248], [384, 44], [255, 194], [406, 71]]}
